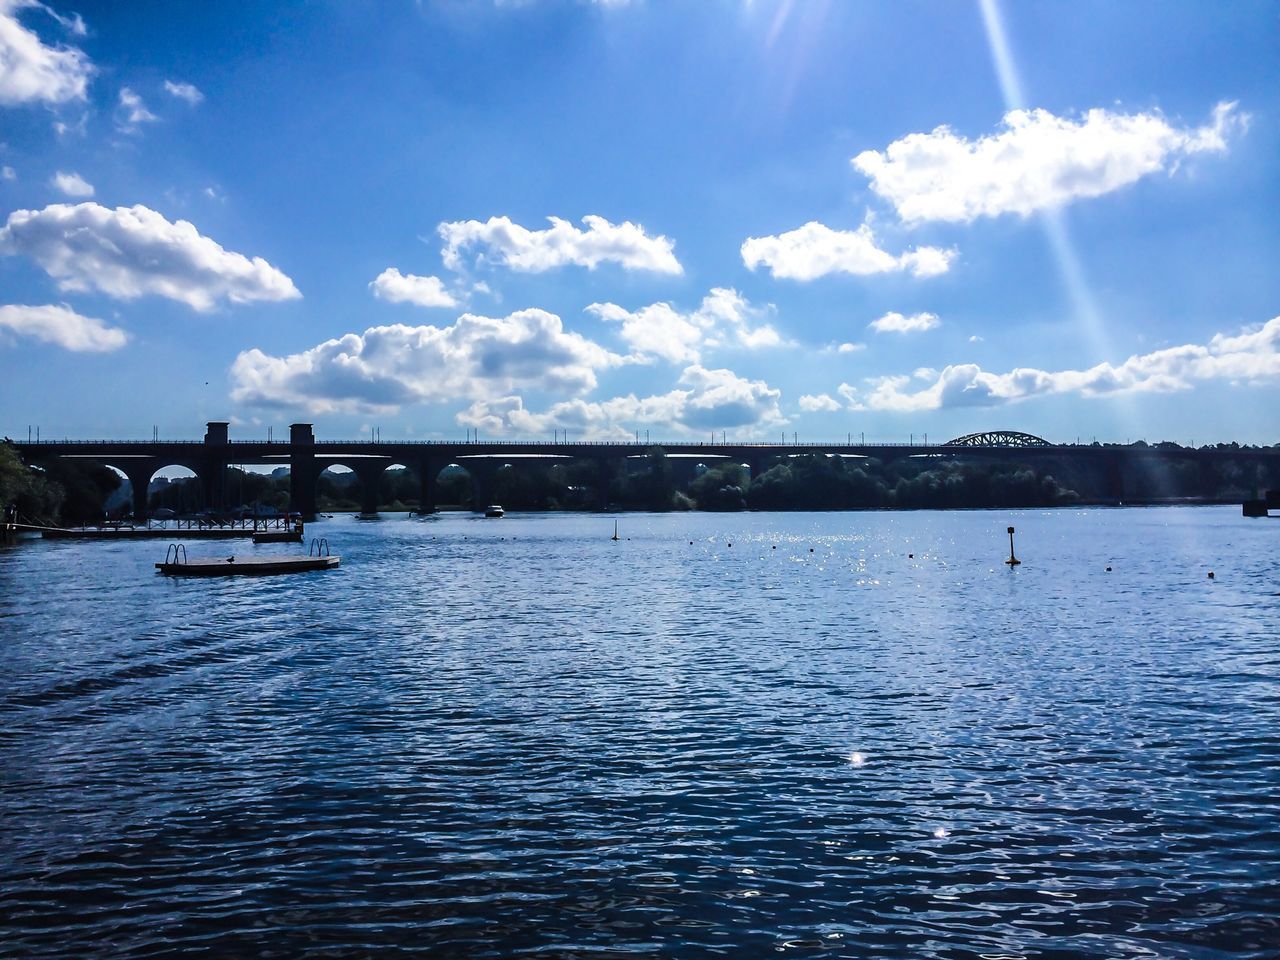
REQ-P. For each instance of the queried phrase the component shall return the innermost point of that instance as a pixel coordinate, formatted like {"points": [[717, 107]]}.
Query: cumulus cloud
{"points": [[724, 318], [498, 240], [131, 251], [132, 112], [703, 400], [60, 325], [844, 348], [812, 403], [31, 71], [816, 250], [8, 173], [387, 367], [72, 184], [184, 91], [1036, 161], [399, 287], [893, 322], [1251, 356]]}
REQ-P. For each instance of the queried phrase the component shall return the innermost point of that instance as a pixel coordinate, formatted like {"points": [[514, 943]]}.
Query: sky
{"points": [[672, 219]]}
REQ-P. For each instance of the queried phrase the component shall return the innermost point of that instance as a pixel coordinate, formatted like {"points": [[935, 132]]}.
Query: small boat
{"points": [[493, 510]]}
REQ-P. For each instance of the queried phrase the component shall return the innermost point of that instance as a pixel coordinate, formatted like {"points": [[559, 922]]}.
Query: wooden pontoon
{"points": [[176, 563], [244, 566]]}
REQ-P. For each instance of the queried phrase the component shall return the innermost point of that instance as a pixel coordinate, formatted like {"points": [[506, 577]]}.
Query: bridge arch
{"points": [[186, 491], [998, 438], [338, 484], [400, 483], [454, 483]]}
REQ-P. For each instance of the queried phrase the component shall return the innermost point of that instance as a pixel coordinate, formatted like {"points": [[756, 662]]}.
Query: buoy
{"points": [[911, 556], [1108, 569], [775, 546], [811, 549], [1210, 574], [1012, 561]]}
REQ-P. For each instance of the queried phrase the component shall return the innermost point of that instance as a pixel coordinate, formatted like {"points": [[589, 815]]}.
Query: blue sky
{"points": [[757, 217]]}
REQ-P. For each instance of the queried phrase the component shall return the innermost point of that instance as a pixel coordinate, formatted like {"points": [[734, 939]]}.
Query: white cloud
{"points": [[1252, 356], [399, 287], [72, 184], [1036, 161], [703, 400], [8, 173], [724, 318], [387, 367], [132, 251], [184, 91], [820, 402], [533, 251], [30, 71], [975, 339], [844, 348], [132, 112], [816, 250], [60, 325], [893, 322]]}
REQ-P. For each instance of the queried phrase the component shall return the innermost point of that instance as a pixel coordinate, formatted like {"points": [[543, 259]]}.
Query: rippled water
{"points": [[491, 738]]}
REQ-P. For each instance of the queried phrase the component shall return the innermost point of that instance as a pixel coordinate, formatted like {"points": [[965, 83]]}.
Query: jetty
{"points": [[276, 530]]}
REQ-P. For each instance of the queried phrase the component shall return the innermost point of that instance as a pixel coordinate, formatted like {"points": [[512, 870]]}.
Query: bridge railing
{"points": [[642, 444]]}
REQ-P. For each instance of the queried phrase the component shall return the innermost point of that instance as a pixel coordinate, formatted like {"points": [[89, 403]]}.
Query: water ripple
{"points": [[520, 738]]}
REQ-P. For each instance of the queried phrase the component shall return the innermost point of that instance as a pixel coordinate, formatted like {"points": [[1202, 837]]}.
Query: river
{"points": [[836, 734]]}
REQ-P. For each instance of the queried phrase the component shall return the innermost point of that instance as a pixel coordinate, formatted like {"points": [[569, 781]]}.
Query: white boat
{"points": [[493, 510]]}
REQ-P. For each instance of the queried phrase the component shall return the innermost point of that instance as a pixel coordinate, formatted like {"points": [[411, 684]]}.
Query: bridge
{"points": [[306, 457]]}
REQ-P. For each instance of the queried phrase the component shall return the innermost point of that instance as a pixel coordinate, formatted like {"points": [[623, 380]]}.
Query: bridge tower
{"points": [[213, 473], [302, 470]]}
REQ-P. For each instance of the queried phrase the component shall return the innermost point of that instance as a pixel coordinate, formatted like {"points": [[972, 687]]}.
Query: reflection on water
{"points": [[845, 734]]}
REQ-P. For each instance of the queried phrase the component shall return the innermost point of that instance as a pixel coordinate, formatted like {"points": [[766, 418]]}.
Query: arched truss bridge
{"points": [[998, 438]]}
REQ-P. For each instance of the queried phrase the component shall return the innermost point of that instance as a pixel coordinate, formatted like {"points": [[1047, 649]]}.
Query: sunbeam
{"points": [[1055, 226]]}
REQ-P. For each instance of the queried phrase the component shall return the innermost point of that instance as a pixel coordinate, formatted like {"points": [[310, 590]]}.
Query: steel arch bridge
{"points": [[998, 438]]}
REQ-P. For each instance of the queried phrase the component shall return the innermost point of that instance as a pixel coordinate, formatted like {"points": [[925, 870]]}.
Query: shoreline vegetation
{"points": [[74, 493]]}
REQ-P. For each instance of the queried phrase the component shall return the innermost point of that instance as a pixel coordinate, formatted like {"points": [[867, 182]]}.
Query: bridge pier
{"points": [[303, 474], [606, 470], [483, 473], [139, 482], [369, 476], [213, 484], [428, 473], [758, 465]]}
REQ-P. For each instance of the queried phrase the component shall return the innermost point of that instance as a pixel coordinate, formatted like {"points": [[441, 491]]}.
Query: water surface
{"points": [[841, 734]]}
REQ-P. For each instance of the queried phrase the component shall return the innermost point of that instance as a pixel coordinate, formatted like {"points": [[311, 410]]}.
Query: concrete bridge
{"points": [[307, 458]]}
